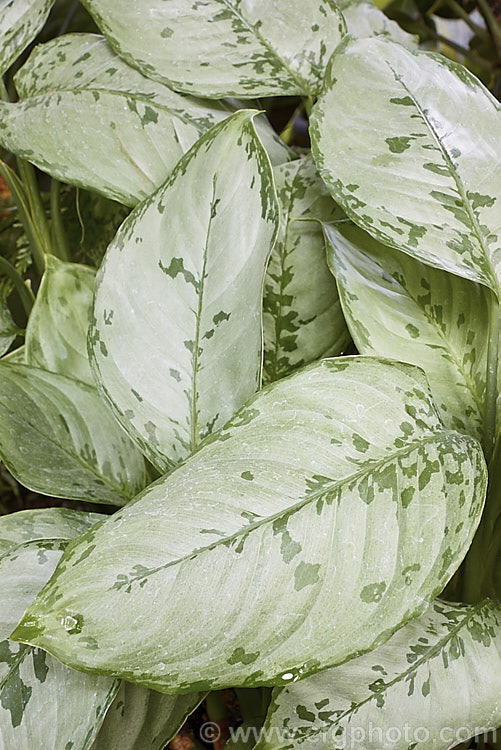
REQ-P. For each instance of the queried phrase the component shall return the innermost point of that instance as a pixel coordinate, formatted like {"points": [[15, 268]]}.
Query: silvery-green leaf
{"points": [[364, 19], [414, 163], [142, 719], [44, 523], [8, 329], [400, 308], [302, 316], [42, 703], [56, 336], [20, 22], [334, 491], [435, 683], [178, 351], [89, 119], [223, 48], [57, 437]]}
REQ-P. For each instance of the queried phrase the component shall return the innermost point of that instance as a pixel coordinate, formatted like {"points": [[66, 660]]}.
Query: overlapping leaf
{"points": [[88, 118], [20, 22], [178, 351], [415, 163], [364, 19], [400, 308], [142, 719], [334, 491], [8, 330], [433, 684], [223, 48], [46, 523], [56, 336], [302, 317], [42, 703], [57, 437]]}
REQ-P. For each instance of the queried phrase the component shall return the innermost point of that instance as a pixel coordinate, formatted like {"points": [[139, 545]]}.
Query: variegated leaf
{"points": [[142, 719], [364, 19], [179, 351], [302, 316], [44, 523], [8, 329], [57, 437], [42, 703], [434, 684], [400, 308], [223, 48], [20, 22], [89, 119], [334, 491], [56, 336], [415, 163]]}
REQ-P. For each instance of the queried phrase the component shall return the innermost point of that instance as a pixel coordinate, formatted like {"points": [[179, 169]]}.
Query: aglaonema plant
{"points": [[282, 383]]}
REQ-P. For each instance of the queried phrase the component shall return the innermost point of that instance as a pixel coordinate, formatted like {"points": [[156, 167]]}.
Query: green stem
{"points": [[287, 134], [25, 293], [460, 11], [29, 179], [485, 64], [17, 189], [490, 562], [491, 389], [216, 709], [251, 703], [308, 103], [478, 569], [58, 231], [492, 24]]}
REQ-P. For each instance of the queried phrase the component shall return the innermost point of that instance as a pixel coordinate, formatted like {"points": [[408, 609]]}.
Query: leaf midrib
{"points": [[115, 487], [302, 84], [194, 436], [433, 324], [461, 189], [113, 92], [428, 656], [310, 498], [285, 217]]}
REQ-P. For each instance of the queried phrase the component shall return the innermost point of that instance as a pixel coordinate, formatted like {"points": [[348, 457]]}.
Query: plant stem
{"points": [[214, 704], [25, 293], [17, 189], [287, 133], [60, 240], [490, 562], [251, 703], [462, 51], [460, 11], [480, 562], [32, 208], [29, 179], [492, 24], [491, 389], [308, 103]]}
